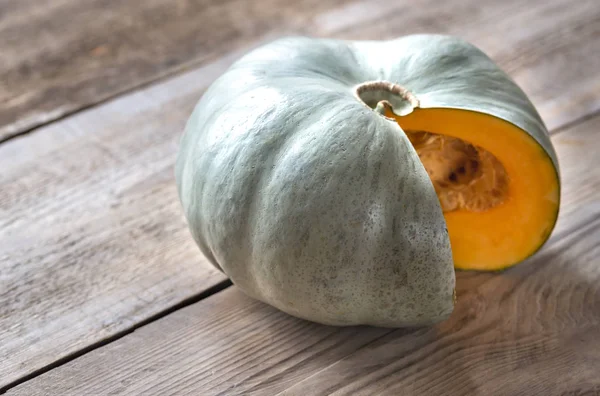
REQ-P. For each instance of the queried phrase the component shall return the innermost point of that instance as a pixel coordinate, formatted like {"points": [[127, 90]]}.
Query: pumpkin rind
{"points": [[312, 202]]}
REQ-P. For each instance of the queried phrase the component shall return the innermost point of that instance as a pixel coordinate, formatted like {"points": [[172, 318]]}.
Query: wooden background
{"points": [[102, 290]]}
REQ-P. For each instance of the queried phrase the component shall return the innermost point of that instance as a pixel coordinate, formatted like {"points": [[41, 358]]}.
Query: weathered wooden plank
{"points": [[533, 329], [59, 56], [93, 241]]}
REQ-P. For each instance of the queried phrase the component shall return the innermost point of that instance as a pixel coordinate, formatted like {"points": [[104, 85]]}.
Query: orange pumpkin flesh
{"points": [[510, 213]]}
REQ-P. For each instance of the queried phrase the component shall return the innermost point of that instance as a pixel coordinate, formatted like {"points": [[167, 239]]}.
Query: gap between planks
{"points": [[36, 127], [223, 58], [99, 344]]}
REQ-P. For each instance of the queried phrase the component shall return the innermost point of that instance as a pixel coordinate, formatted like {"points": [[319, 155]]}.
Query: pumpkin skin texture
{"points": [[316, 204]]}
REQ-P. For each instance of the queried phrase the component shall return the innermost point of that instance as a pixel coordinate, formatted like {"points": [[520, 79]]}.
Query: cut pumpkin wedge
{"points": [[498, 188]]}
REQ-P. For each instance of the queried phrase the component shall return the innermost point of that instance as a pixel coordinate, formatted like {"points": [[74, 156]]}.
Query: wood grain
{"points": [[93, 241], [534, 329], [59, 56]]}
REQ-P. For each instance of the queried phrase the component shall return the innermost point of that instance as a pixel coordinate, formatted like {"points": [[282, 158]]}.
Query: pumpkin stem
{"points": [[379, 95], [382, 107]]}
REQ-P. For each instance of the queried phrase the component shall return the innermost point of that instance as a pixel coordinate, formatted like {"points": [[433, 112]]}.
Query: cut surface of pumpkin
{"points": [[498, 188]]}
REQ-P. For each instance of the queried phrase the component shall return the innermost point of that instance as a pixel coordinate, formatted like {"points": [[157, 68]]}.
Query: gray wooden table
{"points": [[102, 290]]}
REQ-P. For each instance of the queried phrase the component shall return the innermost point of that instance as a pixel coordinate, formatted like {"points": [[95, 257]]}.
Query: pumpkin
{"points": [[342, 182]]}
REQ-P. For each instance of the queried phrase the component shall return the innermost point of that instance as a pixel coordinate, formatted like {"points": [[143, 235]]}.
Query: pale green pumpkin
{"points": [[299, 183]]}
